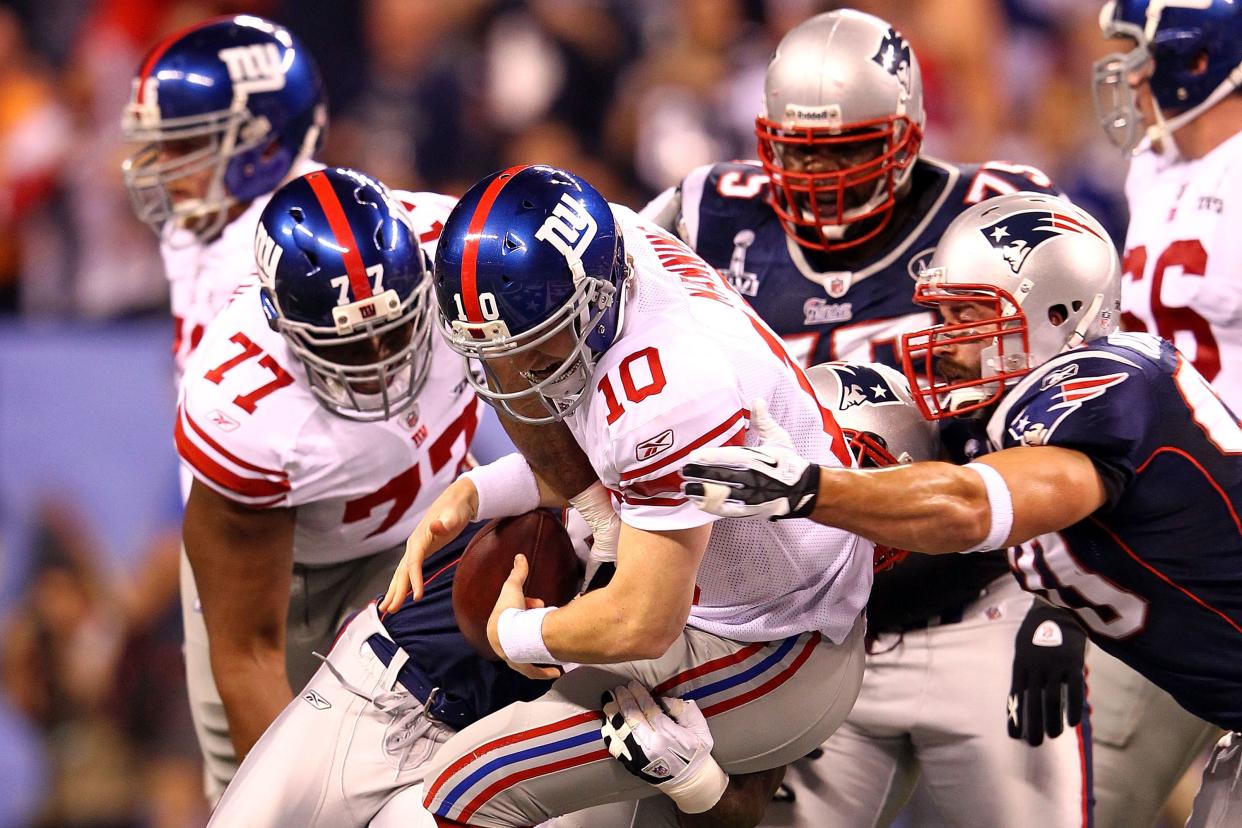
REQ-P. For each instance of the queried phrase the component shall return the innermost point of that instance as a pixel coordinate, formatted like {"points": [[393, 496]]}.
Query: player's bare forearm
{"points": [[550, 449], [643, 608], [922, 507], [243, 560], [743, 803], [254, 691], [555, 456], [939, 507]]}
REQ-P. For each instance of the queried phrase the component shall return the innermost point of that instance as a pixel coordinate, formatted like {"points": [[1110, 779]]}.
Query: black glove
{"points": [[1047, 683]]}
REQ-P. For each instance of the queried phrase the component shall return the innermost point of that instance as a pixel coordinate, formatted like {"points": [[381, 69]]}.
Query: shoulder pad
{"points": [[719, 189], [993, 178]]}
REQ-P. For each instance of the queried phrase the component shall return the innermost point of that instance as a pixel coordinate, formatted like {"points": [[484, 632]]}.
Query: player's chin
{"points": [[368, 388], [948, 371]]}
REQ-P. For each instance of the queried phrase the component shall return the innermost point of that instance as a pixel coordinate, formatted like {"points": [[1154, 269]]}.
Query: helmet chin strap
{"points": [[1080, 330], [1162, 131]]}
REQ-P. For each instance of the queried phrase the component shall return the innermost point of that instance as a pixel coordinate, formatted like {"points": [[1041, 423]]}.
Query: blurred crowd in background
{"points": [[426, 95]]}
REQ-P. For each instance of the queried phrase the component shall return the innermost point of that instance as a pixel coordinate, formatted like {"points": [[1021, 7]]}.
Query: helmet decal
{"points": [[1017, 235], [894, 56], [863, 385], [355, 271], [255, 68], [569, 229]]}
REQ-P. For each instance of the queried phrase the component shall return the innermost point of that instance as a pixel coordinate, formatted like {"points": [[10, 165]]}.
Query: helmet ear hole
{"points": [[1057, 314], [297, 214], [1198, 64]]}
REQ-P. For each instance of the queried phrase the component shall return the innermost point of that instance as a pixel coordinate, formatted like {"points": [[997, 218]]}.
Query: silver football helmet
{"points": [[1047, 277], [873, 405], [841, 126]]}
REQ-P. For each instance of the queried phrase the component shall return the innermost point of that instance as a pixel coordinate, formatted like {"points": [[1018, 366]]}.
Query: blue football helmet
{"points": [[243, 101], [1191, 52], [527, 255], [344, 280]]}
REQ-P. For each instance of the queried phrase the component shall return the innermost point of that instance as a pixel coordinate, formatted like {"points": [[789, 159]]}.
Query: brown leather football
{"points": [[488, 559]]}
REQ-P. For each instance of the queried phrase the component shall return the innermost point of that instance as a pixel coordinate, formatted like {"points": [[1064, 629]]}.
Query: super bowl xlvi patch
{"points": [[743, 281], [1016, 235]]}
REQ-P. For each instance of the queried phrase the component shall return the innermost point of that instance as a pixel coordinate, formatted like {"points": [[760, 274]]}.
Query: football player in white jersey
{"points": [[644, 353], [1173, 100], [319, 417], [225, 113]]}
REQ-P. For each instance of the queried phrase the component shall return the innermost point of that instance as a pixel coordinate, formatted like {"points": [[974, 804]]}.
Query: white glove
{"points": [[666, 743], [768, 480]]}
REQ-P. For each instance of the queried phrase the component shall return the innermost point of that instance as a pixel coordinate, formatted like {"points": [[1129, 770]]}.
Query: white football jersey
{"points": [[203, 277], [690, 358], [1182, 275], [248, 427]]}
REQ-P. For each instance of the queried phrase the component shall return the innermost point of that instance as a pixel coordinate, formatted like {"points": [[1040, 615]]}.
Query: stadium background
{"points": [[425, 94]]}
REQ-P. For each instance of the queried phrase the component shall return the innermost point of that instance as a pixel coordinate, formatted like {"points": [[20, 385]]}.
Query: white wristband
{"points": [[699, 793], [521, 636], [1000, 503], [507, 486]]}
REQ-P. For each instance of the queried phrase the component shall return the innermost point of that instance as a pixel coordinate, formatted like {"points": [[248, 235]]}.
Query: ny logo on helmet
{"points": [[267, 254], [569, 229], [1017, 235], [254, 68], [894, 57]]}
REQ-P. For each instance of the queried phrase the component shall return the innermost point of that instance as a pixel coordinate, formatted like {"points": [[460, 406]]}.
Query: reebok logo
{"points": [[650, 448], [316, 701]]}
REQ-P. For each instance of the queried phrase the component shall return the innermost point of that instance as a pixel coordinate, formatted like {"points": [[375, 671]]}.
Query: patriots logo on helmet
{"points": [[1017, 235], [894, 56], [861, 385]]}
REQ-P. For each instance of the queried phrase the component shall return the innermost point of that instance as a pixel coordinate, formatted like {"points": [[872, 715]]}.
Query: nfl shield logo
{"points": [[411, 417], [838, 284]]}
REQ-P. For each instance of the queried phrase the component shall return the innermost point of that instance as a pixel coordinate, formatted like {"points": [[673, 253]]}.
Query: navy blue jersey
{"points": [[427, 630], [853, 314], [1156, 574]]}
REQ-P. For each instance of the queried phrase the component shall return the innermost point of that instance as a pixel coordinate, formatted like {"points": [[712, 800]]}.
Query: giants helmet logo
{"points": [[257, 67], [1017, 235], [570, 229]]}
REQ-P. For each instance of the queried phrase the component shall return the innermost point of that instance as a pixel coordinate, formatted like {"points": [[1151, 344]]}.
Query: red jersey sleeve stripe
{"points": [[335, 213], [225, 453], [470, 253], [839, 448], [738, 416], [246, 487]]}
